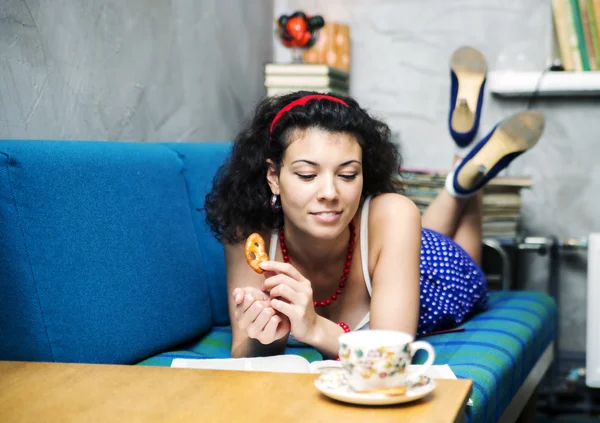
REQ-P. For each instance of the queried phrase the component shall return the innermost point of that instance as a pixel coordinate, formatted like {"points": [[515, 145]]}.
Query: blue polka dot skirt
{"points": [[453, 286]]}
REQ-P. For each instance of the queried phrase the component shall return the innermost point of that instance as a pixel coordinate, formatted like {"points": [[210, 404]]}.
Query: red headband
{"points": [[301, 102]]}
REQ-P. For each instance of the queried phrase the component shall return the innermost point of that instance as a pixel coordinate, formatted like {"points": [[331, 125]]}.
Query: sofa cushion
{"points": [[98, 254], [216, 344], [201, 162]]}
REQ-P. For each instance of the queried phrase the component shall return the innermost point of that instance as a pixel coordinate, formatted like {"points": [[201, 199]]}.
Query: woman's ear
{"points": [[273, 177]]}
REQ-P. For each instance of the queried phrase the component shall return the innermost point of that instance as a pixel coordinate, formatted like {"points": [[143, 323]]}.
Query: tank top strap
{"points": [[364, 243], [273, 245]]}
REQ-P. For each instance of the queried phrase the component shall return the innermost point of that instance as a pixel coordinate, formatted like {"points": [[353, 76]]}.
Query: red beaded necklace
{"points": [[342, 283]]}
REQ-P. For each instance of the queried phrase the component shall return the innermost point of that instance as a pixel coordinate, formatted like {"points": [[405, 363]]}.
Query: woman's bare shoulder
{"points": [[392, 206]]}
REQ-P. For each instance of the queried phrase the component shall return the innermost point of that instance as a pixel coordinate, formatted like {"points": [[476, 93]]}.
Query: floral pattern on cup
{"points": [[379, 362]]}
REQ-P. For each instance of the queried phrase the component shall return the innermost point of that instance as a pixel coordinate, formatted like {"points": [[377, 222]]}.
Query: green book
{"points": [[580, 37]]}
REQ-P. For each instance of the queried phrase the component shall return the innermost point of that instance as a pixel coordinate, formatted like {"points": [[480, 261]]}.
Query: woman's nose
{"points": [[327, 189]]}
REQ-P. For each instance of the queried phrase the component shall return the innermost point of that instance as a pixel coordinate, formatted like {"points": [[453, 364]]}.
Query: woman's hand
{"points": [[291, 294], [255, 315]]}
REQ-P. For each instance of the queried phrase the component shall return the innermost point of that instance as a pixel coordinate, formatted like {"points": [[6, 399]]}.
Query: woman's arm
{"points": [[257, 330], [394, 250]]}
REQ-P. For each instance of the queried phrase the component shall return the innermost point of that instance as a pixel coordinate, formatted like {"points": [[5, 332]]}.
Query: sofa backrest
{"points": [[200, 163], [100, 257]]}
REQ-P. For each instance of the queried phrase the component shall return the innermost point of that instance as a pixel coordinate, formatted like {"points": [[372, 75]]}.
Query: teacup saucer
{"points": [[333, 384]]}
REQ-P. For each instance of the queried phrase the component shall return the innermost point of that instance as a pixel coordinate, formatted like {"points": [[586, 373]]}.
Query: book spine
{"points": [[580, 34], [277, 91], [304, 81], [587, 34], [562, 34], [573, 40], [594, 17], [305, 69], [594, 32]]}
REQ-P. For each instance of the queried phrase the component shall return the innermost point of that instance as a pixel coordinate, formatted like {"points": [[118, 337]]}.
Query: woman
{"points": [[315, 176]]}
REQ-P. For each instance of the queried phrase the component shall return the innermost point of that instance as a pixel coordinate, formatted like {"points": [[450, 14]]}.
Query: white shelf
{"points": [[523, 84]]}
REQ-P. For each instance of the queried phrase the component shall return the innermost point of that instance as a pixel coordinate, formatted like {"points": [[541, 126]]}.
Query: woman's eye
{"points": [[349, 176], [306, 177]]}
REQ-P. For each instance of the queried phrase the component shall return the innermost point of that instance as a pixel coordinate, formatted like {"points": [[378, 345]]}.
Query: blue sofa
{"points": [[105, 257]]}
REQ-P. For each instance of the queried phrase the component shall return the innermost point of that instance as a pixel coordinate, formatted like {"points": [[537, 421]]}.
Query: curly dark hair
{"points": [[239, 202]]}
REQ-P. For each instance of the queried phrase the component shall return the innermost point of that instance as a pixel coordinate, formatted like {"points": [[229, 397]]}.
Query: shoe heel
{"points": [[479, 175], [463, 117], [469, 68], [510, 138]]}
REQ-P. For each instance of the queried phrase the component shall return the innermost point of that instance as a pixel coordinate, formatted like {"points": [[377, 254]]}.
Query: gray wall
{"points": [[131, 70], [400, 52]]}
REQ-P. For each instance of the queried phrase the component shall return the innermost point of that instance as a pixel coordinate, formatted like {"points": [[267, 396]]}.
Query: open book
{"points": [[288, 364]]}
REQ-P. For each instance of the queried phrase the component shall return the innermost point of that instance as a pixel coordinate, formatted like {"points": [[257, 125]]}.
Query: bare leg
{"points": [[444, 213], [459, 219], [469, 230]]}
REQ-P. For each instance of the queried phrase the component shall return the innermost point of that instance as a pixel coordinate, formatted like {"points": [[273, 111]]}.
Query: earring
{"points": [[275, 202]]}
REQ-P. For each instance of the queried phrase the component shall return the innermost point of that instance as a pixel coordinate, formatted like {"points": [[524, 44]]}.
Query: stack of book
{"points": [[282, 78], [501, 198], [577, 32]]}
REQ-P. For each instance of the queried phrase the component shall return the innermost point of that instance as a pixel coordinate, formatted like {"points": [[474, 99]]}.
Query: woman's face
{"points": [[320, 181]]}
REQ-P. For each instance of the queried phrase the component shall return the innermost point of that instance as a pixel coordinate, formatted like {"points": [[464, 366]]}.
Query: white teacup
{"points": [[379, 358]]}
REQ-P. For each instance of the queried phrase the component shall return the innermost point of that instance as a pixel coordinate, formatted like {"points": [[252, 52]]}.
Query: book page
{"points": [[278, 363], [211, 364]]}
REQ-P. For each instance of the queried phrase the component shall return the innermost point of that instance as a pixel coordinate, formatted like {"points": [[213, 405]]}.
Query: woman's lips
{"points": [[327, 216]]}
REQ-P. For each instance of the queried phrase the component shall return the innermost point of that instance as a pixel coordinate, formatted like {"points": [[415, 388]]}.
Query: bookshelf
{"points": [[575, 45], [552, 83]]}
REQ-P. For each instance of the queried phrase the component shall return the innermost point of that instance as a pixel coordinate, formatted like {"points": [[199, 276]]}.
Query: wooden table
{"points": [[57, 392]]}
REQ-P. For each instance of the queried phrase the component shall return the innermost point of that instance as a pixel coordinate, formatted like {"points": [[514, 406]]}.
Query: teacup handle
{"points": [[422, 345]]}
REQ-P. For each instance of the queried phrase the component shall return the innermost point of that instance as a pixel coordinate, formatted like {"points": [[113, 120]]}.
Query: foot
{"points": [[468, 71], [509, 139]]}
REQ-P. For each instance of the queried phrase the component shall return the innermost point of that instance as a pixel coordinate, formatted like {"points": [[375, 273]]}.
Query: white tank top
{"points": [[364, 255]]}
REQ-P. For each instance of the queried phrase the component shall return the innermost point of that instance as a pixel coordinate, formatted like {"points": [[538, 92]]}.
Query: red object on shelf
{"points": [[299, 29]]}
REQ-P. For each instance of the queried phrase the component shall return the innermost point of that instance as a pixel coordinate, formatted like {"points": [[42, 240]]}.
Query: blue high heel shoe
{"points": [[509, 139], [468, 72]]}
